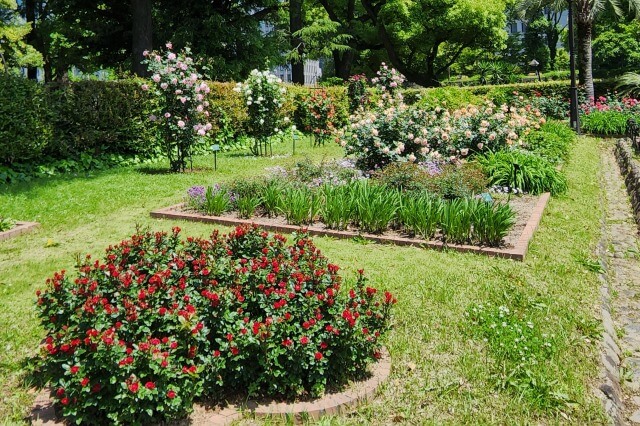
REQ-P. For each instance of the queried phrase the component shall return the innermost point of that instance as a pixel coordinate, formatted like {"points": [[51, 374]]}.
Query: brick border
{"points": [[518, 252], [20, 228], [43, 411]]}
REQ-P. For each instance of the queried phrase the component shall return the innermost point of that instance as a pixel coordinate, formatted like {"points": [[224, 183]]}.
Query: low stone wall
{"points": [[630, 169]]}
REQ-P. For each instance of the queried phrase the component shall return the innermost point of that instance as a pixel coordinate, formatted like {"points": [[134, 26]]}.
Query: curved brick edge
{"points": [[20, 228], [630, 170], [43, 411], [518, 252]]}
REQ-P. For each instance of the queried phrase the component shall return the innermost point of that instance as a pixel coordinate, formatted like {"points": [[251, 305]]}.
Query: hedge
{"points": [[66, 120]]}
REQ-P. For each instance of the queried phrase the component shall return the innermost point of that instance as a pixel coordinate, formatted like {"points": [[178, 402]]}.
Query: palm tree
{"points": [[584, 14]]}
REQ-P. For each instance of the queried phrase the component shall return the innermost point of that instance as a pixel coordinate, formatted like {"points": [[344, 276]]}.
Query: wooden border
{"points": [[43, 411], [518, 252], [20, 228]]}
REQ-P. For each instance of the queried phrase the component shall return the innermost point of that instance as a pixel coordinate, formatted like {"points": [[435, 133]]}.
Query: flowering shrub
{"points": [[161, 320], [264, 97], [608, 115], [401, 133], [183, 111], [317, 113], [388, 81], [357, 92]]}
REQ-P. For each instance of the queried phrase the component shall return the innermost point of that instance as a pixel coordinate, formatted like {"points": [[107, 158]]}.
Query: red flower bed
{"points": [[162, 321]]}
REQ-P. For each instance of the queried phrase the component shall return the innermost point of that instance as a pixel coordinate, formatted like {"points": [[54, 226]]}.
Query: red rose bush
{"points": [[161, 321]]}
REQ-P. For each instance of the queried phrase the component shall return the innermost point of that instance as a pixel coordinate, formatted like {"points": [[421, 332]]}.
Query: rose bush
{"points": [[182, 115], [264, 96], [160, 321], [317, 114]]}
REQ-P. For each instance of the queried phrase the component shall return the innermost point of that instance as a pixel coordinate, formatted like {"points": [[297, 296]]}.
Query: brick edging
{"points": [[518, 252], [20, 228], [630, 170], [43, 412]]}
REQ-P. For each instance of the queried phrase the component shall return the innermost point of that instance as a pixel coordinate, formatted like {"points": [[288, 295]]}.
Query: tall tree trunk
{"points": [[142, 35], [343, 63], [585, 62], [295, 24], [30, 16]]}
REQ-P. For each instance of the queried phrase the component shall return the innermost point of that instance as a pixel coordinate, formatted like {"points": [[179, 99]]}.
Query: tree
{"points": [[617, 48], [585, 13], [422, 38], [14, 50]]}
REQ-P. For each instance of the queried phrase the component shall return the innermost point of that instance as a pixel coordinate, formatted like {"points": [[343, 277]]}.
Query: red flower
{"points": [[304, 340], [85, 381], [150, 385], [318, 356], [287, 342], [60, 392], [171, 394], [235, 351], [216, 353], [64, 401], [133, 387], [95, 388], [74, 369]]}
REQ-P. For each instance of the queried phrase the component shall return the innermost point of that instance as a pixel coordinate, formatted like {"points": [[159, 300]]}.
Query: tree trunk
{"points": [[30, 16], [295, 24], [142, 35], [343, 63], [585, 66]]}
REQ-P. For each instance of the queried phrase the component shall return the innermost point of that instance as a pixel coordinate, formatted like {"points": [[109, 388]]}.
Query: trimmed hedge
{"points": [[99, 117], [24, 126], [66, 120]]}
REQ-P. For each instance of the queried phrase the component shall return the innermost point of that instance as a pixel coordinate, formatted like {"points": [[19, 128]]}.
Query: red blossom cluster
{"points": [[162, 321]]}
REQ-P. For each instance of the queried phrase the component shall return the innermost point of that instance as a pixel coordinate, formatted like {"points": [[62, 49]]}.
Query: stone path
{"points": [[620, 253]]}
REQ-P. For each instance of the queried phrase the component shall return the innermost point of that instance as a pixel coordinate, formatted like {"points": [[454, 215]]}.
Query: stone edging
{"points": [[516, 253], [20, 228], [43, 412], [630, 170], [610, 353]]}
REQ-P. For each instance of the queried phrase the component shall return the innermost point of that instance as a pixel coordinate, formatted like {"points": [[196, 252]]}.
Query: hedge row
{"points": [[63, 121]]}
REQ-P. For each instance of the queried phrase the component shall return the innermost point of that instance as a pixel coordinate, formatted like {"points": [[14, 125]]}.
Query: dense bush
{"points": [[136, 337], [608, 123], [25, 129], [446, 180], [552, 141], [100, 117], [523, 170]]}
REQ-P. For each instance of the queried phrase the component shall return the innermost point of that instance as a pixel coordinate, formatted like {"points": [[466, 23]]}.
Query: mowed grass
{"points": [[440, 374]]}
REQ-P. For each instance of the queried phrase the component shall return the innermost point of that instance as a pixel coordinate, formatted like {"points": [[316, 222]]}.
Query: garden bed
{"points": [[333, 403], [19, 228], [528, 210]]}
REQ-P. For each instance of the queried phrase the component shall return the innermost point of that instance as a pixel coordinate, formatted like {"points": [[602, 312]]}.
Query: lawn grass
{"points": [[441, 373]]}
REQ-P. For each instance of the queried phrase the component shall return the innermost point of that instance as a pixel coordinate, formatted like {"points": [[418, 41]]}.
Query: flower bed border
{"points": [[43, 412], [20, 228], [518, 252]]}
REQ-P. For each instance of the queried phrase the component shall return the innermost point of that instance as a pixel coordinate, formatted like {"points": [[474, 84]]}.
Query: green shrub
{"points": [[136, 337], [523, 170], [100, 117], [25, 129], [447, 180], [552, 141], [608, 123], [448, 97], [6, 223], [339, 205], [491, 222]]}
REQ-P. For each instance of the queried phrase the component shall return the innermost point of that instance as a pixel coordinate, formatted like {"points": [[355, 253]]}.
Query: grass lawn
{"points": [[442, 371]]}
